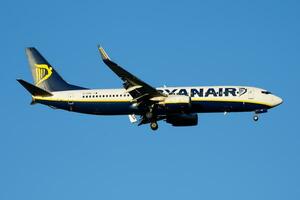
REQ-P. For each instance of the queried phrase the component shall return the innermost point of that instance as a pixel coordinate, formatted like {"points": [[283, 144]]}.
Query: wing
{"points": [[138, 89]]}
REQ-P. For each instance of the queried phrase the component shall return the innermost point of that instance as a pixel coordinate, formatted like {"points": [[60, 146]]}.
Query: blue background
{"points": [[53, 154]]}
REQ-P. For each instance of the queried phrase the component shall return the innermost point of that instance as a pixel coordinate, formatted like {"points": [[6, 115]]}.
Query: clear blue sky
{"points": [[53, 154]]}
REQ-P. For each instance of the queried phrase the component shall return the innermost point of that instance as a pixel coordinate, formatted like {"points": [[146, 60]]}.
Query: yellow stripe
{"points": [[79, 100], [103, 53], [40, 74], [37, 75], [43, 73]]}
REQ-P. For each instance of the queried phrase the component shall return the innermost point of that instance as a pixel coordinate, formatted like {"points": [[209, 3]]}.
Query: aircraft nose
{"points": [[277, 100]]}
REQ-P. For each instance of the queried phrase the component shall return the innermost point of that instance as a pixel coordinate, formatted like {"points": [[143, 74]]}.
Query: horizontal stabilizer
{"points": [[34, 90]]}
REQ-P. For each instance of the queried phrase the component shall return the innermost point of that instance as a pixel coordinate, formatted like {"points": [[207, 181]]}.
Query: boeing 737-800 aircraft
{"points": [[176, 105]]}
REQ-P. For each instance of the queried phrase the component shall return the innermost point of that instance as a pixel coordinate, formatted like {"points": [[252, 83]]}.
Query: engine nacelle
{"points": [[177, 103], [182, 119]]}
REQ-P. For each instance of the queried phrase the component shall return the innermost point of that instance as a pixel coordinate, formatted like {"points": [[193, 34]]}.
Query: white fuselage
{"points": [[203, 99]]}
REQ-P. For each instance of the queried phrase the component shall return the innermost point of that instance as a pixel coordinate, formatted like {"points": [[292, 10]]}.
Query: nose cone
{"points": [[277, 101]]}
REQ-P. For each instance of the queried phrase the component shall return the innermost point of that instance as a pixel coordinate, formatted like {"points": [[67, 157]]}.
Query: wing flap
{"points": [[133, 88]]}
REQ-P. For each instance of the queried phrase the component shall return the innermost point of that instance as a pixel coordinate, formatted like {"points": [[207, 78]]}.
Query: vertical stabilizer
{"points": [[44, 75]]}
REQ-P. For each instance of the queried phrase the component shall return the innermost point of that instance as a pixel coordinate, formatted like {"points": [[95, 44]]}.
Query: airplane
{"points": [[178, 106]]}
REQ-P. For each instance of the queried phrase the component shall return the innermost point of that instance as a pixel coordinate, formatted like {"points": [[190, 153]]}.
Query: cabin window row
{"points": [[107, 95]]}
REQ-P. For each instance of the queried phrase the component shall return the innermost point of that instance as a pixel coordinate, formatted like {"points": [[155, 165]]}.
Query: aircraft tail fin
{"points": [[34, 90], [44, 74]]}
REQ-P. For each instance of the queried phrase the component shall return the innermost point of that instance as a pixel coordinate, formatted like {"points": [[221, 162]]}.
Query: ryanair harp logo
{"points": [[42, 73]]}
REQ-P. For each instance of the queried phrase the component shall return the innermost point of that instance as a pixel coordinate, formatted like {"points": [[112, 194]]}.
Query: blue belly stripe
{"points": [[124, 108]]}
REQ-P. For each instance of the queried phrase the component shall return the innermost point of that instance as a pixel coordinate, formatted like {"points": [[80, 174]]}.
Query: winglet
{"points": [[103, 53]]}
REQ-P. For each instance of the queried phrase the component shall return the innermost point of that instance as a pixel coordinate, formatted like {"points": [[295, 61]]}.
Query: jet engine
{"points": [[182, 119]]}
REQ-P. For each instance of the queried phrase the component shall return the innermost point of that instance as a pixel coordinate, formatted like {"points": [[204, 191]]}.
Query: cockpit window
{"points": [[266, 92]]}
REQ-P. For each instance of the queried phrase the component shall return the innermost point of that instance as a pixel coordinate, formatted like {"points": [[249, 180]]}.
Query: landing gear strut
{"points": [[257, 112], [149, 115], [255, 118], [154, 126]]}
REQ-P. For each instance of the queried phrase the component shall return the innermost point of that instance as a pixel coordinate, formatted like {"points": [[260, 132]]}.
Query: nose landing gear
{"points": [[256, 117]]}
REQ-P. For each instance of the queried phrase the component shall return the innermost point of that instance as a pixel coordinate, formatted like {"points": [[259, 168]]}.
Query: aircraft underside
{"points": [[126, 108]]}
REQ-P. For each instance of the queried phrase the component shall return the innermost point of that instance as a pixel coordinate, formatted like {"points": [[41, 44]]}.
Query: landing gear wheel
{"points": [[255, 118], [154, 126]]}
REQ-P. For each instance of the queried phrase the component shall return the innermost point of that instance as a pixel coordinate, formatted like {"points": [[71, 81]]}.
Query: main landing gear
{"points": [[150, 115]]}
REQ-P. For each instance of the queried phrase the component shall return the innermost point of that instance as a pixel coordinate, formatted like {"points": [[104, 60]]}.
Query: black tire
{"points": [[154, 126]]}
